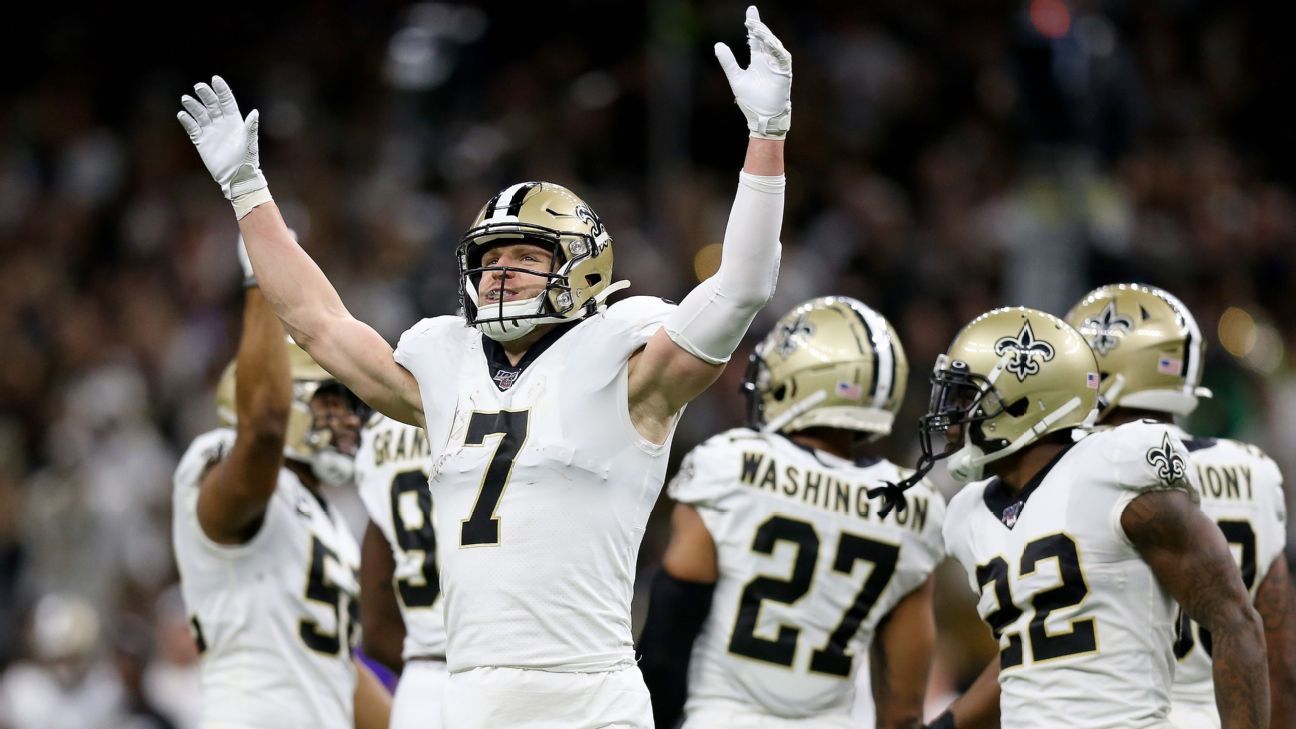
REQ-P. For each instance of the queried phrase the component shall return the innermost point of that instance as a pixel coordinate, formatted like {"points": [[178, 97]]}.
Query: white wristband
{"points": [[244, 203]]}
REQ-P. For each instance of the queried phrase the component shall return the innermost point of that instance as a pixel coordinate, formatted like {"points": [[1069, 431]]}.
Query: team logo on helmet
{"points": [[1024, 348], [792, 334], [1168, 463], [1107, 328]]}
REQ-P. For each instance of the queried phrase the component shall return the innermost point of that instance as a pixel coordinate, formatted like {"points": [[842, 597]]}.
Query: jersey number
{"points": [[1082, 636], [1237, 532], [482, 526], [320, 589], [831, 658], [410, 487]]}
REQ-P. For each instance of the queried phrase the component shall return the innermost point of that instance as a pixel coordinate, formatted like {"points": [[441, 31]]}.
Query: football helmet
{"points": [[1150, 351], [1011, 377], [579, 280], [831, 362], [307, 440]]}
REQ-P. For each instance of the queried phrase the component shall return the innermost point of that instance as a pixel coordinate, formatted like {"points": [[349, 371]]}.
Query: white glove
{"points": [[227, 143], [764, 89]]}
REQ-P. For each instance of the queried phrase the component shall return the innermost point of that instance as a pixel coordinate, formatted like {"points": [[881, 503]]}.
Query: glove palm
{"points": [[763, 90]]}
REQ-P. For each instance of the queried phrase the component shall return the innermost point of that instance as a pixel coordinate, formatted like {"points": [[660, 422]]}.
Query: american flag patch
{"points": [[849, 390], [1170, 366], [1091, 380]]}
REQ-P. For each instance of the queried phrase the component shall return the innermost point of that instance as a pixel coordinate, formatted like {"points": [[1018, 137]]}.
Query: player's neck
{"points": [[1017, 470], [1121, 416], [836, 441], [516, 349]]}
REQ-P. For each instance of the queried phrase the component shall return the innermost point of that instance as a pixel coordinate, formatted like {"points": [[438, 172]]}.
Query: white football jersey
{"points": [[1241, 490], [807, 569], [542, 488], [1085, 630], [391, 474], [274, 618]]}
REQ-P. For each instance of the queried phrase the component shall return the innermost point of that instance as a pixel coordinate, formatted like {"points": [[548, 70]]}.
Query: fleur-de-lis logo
{"points": [[792, 334], [1106, 330], [1024, 349], [1168, 463]]}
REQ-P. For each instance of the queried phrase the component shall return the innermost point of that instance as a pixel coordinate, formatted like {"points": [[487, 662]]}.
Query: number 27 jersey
{"points": [[807, 569]]}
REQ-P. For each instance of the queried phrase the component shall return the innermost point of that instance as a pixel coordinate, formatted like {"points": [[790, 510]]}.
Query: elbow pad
{"points": [[713, 318]]}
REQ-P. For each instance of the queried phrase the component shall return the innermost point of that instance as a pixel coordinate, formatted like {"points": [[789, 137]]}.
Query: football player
{"points": [[780, 572], [402, 618], [267, 567], [551, 413], [1079, 543], [1150, 357]]}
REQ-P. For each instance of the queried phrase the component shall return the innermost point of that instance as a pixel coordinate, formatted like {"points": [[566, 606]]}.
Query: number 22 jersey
{"points": [[542, 489], [1085, 630]]}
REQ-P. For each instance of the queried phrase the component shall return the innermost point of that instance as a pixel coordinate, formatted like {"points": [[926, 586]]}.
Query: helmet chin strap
{"points": [[506, 329], [967, 463]]}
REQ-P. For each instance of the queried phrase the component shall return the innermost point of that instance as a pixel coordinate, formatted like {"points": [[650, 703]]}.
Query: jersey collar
{"points": [[1006, 506], [504, 373]]}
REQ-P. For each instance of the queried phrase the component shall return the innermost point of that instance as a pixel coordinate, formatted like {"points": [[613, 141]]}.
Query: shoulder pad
{"points": [[1147, 456]]}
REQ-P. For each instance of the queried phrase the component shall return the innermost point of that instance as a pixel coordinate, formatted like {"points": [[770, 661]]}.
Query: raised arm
{"points": [[234, 494], [1191, 559], [299, 292], [901, 658], [683, 359], [1276, 603]]}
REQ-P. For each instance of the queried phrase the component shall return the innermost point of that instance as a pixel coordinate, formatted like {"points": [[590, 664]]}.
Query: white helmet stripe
{"points": [[882, 380], [509, 202]]}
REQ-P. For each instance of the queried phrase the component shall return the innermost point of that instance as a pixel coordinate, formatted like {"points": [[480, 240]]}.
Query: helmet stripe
{"points": [[509, 202], [883, 371]]}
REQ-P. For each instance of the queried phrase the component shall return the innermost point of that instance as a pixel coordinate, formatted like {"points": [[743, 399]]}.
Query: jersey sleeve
{"points": [[1149, 457], [608, 340], [206, 449], [932, 537], [1273, 513], [707, 472], [1146, 457], [417, 348], [367, 477]]}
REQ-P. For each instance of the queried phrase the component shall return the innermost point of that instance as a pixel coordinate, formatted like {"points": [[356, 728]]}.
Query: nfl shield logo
{"points": [[504, 379], [1011, 513]]}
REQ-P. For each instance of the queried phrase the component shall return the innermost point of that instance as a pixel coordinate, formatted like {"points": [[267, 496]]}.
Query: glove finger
{"points": [[771, 46], [225, 96], [251, 125], [728, 63], [753, 14], [189, 125], [196, 110], [208, 98]]}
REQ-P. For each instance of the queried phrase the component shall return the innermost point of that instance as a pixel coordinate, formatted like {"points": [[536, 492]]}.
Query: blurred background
{"points": [[946, 157]]}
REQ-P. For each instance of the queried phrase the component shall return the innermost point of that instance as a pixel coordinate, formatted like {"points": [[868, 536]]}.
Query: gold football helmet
{"points": [[550, 215], [306, 441], [1149, 348], [1011, 377], [831, 362]]}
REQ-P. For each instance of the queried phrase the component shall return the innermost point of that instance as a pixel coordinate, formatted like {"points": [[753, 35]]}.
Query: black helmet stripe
{"points": [[868, 334]]}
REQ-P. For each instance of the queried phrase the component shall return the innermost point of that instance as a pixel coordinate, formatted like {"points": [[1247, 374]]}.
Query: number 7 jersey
{"points": [[542, 487], [807, 570], [1085, 630]]}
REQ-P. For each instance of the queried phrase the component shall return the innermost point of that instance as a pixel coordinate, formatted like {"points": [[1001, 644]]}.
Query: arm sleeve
{"points": [[677, 610], [712, 319]]}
